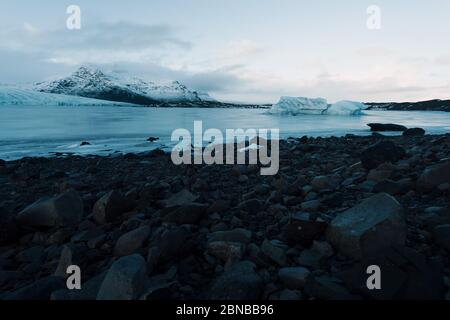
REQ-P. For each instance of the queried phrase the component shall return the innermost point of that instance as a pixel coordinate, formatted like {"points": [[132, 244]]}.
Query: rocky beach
{"points": [[140, 227]]}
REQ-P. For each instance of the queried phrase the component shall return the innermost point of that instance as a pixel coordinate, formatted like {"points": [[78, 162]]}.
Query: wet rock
{"points": [[442, 235], [125, 279], [131, 241], [39, 290], [174, 244], [236, 235], [186, 214], [392, 187], [294, 278], [63, 210], [414, 132], [152, 139], [312, 205], [219, 206], [111, 206], [226, 250], [252, 206], [276, 251], [317, 256], [321, 182], [327, 288], [240, 282], [434, 176], [85, 143], [386, 127], [9, 231], [381, 152], [434, 216], [368, 228]]}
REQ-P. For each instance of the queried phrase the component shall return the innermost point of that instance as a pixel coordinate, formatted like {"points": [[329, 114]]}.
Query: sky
{"points": [[239, 50]]}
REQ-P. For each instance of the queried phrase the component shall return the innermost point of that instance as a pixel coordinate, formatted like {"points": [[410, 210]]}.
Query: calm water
{"points": [[40, 131]]}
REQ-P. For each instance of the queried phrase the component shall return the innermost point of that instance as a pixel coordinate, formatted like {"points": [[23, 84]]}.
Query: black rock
{"points": [[381, 152], [386, 127], [152, 139], [240, 282], [414, 132], [85, 143], [39, 290], [8, 228], [2, 163]]}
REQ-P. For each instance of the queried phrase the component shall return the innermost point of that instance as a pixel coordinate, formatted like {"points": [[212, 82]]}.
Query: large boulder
{"points": [[414, 132], [381, 152], [38, 290], [372, 226], [125, 279], [186, 214], [434, 176], [110, 206], [63, 210]]}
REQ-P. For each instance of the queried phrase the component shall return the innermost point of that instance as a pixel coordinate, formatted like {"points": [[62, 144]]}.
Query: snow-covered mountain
{"points": [[94, 83], [15, 96]]}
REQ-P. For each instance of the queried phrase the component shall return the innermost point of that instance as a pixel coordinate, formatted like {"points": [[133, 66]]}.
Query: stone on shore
{"points": [[63, 210], [131, 241], [434, 176], [186, 214], [381, 152], [386, 127], [125, 279], [110, 206], [375, 224], [294, 277], [442, 236], [240, 282], [414, 132]]}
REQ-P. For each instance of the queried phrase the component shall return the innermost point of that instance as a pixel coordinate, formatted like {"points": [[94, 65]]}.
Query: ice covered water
{"points": [[41, 131]]}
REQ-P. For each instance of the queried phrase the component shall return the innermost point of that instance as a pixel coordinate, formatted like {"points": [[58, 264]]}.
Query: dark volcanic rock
{"points": [[152, 139], [110, 206], [434, 176], [125, 279], [131, 241], [372, 226], [381, 152], [9, 231], [39, 290], [85, 143], [442, 235], [386, 127], [414, 132], [303, 230], [63, 210], [240, 282], [186, 214]]}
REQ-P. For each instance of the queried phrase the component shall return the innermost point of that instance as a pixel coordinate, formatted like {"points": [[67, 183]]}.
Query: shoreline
{"points": [[225, 231]]}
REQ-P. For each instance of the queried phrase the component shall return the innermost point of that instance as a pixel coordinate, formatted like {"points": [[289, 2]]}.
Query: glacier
{"points": [[315, 106], [17, 96]]}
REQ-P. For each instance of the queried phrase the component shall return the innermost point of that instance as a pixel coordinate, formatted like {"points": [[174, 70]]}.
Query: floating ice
{"points": [[299, 105], [345, 108]]}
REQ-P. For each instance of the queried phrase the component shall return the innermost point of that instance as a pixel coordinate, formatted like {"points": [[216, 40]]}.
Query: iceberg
{"points": [[318, 106], [299, 105], [345, 108]]}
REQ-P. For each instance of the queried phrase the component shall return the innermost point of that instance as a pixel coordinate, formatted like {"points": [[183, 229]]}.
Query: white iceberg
{"points": [[318, 106], [299, 105], [345, 108]]}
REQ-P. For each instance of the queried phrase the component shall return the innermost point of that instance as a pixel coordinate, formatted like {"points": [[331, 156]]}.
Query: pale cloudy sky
{"points": [[239, 50]]}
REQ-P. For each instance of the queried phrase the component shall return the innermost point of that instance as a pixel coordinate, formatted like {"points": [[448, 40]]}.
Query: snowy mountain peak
{"points": [[94, 83]]}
